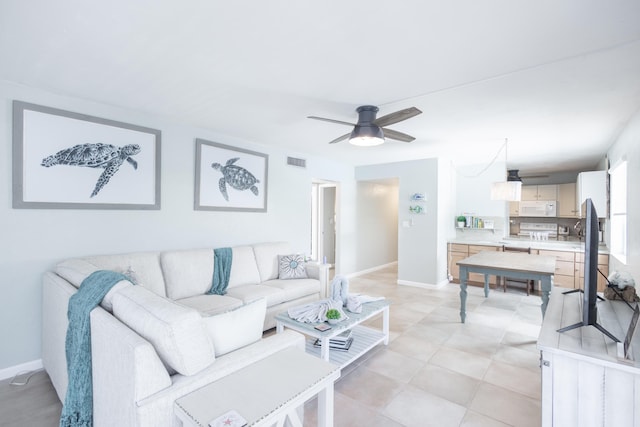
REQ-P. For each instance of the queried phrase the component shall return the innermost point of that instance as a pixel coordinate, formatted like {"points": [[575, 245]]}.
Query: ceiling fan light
{"points": [[366, 135]]}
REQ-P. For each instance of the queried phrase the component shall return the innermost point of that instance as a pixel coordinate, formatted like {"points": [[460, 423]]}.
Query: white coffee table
{"points": [[265, 393], [364, 337]]}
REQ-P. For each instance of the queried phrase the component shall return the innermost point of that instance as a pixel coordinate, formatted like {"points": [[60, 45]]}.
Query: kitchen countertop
{"points": [[558, 245]]}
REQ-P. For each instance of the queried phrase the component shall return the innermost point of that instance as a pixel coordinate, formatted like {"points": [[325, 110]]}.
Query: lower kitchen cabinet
{"points": [[569, 265], [603, 266], [565, 275], [457, 252]]}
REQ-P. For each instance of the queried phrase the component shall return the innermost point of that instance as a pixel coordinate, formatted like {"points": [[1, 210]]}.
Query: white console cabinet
{"points": [[583, 382]]}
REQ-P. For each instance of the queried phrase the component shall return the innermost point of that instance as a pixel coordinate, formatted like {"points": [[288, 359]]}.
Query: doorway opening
{"points": [[324, 207]]}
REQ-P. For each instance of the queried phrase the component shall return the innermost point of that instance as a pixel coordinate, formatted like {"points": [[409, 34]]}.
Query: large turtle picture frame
{"points": [[68, 160], [230, 178]]}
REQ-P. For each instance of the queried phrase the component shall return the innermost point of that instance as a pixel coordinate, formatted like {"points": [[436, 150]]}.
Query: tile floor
{"points": [[439, 372], [435, 371]]}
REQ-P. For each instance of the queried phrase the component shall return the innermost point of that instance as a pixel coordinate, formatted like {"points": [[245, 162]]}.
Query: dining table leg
{"points": [[546, 284], [464, 277]]}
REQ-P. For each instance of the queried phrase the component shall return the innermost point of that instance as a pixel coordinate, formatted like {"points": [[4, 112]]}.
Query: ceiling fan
{"points": [[369, 130]]}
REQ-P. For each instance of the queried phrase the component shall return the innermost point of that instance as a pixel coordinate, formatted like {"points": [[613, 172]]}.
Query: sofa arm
{"points": [[55, 300], [321, 272], [126, 369]]}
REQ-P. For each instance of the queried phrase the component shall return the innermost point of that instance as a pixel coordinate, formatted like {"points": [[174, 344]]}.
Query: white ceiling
{"points": [[558, 79]]}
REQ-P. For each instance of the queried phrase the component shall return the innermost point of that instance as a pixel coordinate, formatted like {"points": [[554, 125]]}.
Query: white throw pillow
{"points": [[291, 267], [237, 328], [177, 332]]}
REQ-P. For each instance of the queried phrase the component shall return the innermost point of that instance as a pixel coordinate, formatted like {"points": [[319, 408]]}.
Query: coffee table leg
{"points": [[324, 348], [279, 327], [545, 287], [325, 406]]}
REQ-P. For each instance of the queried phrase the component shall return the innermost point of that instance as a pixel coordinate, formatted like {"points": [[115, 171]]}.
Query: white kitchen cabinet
{"points": [[567, 206], [592, 185], [539, 192]]}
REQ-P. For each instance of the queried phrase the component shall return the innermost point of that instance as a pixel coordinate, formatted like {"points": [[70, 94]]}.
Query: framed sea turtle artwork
{"points": [[68, 160], [230, 178]]}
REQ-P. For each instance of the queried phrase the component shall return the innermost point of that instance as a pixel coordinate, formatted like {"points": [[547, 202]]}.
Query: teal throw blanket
{"points": [[222, 258], [78, 404]]}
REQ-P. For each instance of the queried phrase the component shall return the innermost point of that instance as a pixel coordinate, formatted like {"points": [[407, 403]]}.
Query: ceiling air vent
{"points": [[301, 163]]}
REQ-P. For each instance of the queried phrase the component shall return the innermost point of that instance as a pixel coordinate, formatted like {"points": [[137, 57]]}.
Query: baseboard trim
{"points": [[11, 371], [371, 270], [423, 285]]}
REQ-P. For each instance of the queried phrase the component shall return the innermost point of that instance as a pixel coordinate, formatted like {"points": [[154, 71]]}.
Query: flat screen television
{"points": [[590, 292]]}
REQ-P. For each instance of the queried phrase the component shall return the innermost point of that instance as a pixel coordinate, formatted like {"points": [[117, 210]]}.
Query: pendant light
{"points": [[511, 189]]}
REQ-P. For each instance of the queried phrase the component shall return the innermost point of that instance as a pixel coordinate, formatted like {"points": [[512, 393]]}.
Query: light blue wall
{"points": [[417, 243], [33, 240]]}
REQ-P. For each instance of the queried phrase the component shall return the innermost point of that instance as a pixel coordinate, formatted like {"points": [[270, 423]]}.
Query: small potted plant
{"points": [[462, 221], [333, 316]]}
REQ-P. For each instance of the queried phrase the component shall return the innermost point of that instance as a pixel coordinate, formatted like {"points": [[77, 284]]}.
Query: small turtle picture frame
{"points": [[230, 178], [68, 160]]}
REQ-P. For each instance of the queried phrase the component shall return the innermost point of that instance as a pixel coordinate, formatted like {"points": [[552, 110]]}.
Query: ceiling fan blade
{"points": [[396, 117], [331, 120], [399, 136], [341, 138]]}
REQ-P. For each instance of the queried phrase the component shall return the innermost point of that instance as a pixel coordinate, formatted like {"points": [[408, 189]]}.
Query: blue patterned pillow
{"points": [[291, 267]]}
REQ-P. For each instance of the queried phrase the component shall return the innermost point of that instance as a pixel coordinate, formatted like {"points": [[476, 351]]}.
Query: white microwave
{"points": [[537, 208]]}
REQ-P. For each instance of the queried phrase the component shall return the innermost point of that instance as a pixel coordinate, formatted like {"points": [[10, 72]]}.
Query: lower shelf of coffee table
{"points": [[364, 339]]}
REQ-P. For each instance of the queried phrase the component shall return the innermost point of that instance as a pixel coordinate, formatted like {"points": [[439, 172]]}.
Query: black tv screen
{"points": [[590, 295], [589, 308]]}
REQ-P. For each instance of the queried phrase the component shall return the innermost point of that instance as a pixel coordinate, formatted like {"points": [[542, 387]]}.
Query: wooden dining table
{"points": [[507, 264]]}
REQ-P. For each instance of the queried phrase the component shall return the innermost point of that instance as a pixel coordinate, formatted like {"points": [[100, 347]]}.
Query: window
{"points": [[618, 196]]}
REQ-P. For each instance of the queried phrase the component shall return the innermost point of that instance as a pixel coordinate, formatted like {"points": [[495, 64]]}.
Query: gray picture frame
{"points": [[229, 178], [60, 156]]}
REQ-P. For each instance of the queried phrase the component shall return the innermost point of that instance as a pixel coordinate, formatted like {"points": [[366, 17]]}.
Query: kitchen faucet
{"points": [[578, 229]]}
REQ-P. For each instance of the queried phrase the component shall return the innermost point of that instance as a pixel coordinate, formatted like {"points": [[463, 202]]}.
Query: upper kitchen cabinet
{"points": [[592, 185], [567, 201], [539, 192]]}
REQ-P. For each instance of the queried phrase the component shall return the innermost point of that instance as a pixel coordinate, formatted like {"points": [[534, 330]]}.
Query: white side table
{"points": [[265, 393]]}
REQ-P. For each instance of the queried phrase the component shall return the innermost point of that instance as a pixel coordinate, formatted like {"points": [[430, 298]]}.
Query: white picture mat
{"points": [[208, 194], [45, 133]]}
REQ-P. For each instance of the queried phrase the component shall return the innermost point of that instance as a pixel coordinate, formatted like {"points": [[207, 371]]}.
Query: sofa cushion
{"points": [[243, 267], [76, 270], [266, 255], [145, 266], [295, 288], [209, 305], [178, 333], [187, 273], [291, 267], [248, 293], [237, 328]]}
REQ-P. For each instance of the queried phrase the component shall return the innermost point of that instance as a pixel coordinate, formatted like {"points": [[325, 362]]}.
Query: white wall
{"points": [[627, 146], [446, 212], [377, 207], [33, 240]]}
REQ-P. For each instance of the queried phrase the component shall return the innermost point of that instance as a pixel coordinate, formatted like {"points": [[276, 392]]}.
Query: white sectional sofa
{"points": [[141, 335]]}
